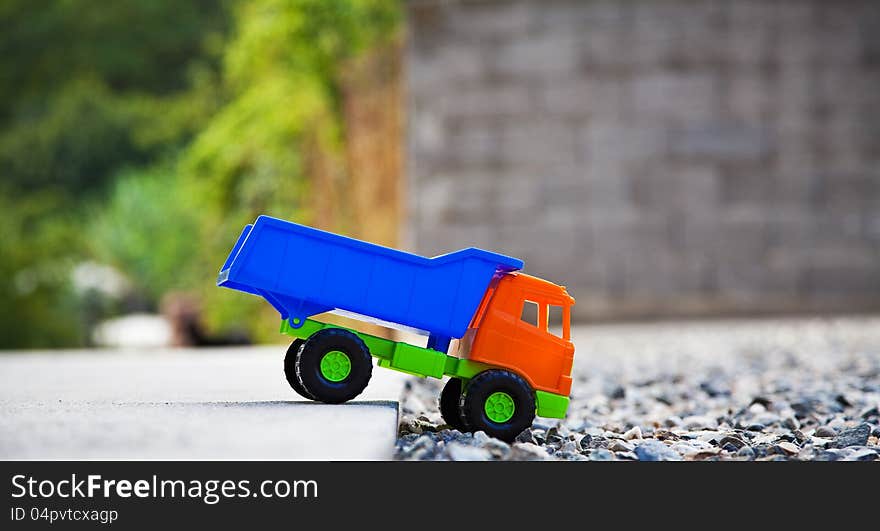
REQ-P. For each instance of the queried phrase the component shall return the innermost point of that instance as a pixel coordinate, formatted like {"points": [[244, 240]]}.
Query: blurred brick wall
{"points": [[659, 157]]}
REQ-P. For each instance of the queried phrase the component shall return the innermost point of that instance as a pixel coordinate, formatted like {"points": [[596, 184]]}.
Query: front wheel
{"points": [[334, 365], [500, 403]]}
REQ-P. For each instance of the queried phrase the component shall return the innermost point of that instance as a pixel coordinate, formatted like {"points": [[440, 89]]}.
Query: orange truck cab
{"points": [[523, 324]]}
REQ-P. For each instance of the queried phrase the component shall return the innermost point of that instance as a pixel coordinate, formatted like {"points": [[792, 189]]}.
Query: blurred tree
{"points": [[147, 229], [87, 89], [37, 248], [143, 135], [81, 77], [277, 146], [282, 70]]}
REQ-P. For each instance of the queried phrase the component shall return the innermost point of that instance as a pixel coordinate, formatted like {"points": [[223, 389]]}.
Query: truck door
{"points": [[546, 340]]}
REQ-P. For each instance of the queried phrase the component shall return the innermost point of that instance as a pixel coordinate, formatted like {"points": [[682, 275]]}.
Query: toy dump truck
{"points": [[509, 364]]}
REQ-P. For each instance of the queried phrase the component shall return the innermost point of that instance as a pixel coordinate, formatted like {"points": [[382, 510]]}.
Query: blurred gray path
{"points": [[228, 403]]}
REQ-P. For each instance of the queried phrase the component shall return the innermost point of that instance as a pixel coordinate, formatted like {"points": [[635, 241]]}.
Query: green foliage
{"points": [[38, 239], [281, 37], [282, 74], [82, 81], [281, 68], [149, 230], [145, 46], [82, 136], [144, 135], [88, 89]]}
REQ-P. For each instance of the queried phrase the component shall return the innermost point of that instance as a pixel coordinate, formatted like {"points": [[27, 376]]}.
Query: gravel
{"points": [[768, 390]]}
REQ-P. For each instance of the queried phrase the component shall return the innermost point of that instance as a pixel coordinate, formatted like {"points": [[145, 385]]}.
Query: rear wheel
{"points": [[290, 369], [334, 365], [499, 403], [450, 404]]}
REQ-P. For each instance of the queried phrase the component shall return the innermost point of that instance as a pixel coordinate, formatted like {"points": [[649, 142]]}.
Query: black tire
{"points": [[290, 368], [483, 386], [308, 365], [450, 404]]}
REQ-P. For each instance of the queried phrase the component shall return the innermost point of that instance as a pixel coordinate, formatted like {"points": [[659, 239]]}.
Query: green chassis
{"points": [[425, 362]]}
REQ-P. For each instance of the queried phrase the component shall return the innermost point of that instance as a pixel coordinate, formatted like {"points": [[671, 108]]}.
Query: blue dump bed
{"points": [[304, 271]]}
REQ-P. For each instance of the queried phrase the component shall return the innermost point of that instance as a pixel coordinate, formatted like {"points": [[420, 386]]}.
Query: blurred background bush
{"points": [[137, 138]]}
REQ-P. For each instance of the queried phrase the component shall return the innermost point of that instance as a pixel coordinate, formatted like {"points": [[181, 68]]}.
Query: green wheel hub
{"points": [[335, 366], [499, 407]]}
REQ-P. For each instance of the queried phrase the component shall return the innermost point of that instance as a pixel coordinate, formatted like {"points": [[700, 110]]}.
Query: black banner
{"points": [[126, 495]]}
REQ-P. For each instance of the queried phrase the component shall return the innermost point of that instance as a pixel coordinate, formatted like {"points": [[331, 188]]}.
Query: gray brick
{"points": [[703, 36], [794, 156], [721, 141], [426, 130], [434, 72], [472, 142], [841, 143], [582, 97], [582, 16], [601, 47], [657, 36], [753, 26], [481, 20], [678, 97], [537, 56], [795, 93], [695, 188], [517, 196], [839, 39], [486, 100], [796, 41], [750, 97], [538, 142]]}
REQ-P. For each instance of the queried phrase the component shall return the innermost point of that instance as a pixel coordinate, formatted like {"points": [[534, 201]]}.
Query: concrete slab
{"points": [[228, 403]]}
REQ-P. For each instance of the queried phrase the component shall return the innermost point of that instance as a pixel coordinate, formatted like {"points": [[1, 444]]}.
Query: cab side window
{"points": [[555, 318], [530, 313]]}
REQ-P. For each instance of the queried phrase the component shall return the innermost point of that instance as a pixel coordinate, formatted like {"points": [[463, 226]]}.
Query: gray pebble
{"points": [[601, 454], [526, 437], [857, 436], [863, 454], [618, 393], [634, 433], [569, 446], [652, 450], [569, 456], [791, 423], [828, 455], [528, 452], [621, 446], [461, 452], [787, 448], [732, 440], [585, 441], [746, 451], [825, 431]]}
